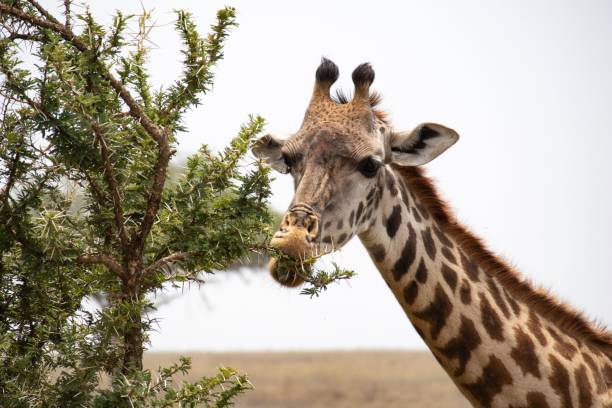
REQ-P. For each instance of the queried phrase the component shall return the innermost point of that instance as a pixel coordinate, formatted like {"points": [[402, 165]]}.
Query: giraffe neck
{"points": [[497, 350]]}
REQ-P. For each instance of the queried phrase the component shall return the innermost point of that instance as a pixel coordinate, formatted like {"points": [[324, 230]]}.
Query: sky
{"points": [[527, 86]]}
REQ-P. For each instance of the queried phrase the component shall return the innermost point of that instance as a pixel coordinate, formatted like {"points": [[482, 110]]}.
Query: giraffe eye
{"points": [[369, 167]]}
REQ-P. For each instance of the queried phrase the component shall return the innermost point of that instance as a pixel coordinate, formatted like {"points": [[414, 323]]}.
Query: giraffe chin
{"points": [[288, 273]]}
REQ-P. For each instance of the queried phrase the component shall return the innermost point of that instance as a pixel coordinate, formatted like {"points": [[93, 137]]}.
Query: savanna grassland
{"points": [[331, 379]]}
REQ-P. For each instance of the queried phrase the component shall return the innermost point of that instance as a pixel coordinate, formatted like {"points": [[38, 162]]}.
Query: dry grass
{"points": [[331, 379]]}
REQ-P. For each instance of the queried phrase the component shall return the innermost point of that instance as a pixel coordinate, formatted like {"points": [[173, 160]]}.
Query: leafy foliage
{"points": [[144, 390], [317, 279], [86, 210], [320, 279]]}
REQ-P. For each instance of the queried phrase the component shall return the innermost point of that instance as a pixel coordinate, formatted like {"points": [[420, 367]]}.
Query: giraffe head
{"points": [[338, 159]]}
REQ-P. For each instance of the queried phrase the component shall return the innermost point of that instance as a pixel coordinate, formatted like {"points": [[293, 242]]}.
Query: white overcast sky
{"points": [[528, 86]]}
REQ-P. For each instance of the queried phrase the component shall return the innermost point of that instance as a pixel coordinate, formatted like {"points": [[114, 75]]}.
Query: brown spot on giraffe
{"points": [[391, 186], [428, 243], [524, 353], [378, 198], [371, 194], [436, 312], [564, 348], [490, 319], [585, 396], [465, 292], [536, 328], [513, 304], [461, 347], [404, 192], [443, 238], [536, 399], [497, 297], [448, 255], [560, 381], [600, 384], [410, 292], [470, 268], [421, 273], [359, 211], [416, 215], [407, 256], [394, 221], [378, 252], [450, 276], [494, 377]]}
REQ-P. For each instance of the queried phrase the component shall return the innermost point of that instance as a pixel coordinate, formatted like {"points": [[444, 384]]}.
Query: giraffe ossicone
{"points": [[504, 342]]}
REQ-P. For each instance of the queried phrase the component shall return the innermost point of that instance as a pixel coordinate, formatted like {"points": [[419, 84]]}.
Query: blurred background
{"points": [[526, 84]]}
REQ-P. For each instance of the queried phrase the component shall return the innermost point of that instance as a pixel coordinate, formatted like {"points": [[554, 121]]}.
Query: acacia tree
{"points": [[85, 207]]}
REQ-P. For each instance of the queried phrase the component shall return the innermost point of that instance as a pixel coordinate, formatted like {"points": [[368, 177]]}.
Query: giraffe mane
{"points": [[541, 300]]}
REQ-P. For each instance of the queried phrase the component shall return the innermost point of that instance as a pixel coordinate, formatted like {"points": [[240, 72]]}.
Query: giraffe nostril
{"points": [[301, 219], [312, 226]]}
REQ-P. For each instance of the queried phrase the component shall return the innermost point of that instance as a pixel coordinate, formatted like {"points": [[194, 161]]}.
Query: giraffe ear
{"points": [[421, 145], [268, 148]]}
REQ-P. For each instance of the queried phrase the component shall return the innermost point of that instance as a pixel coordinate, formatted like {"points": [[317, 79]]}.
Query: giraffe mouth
{"points": [[296, 249], [295, 264], [298, 242]]}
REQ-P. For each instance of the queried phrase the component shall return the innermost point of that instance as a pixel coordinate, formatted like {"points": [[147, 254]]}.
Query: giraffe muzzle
{"points": [[296, 238]]}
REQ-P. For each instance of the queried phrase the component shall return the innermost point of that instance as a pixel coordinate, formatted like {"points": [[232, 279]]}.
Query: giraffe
{"points": [[503, 341]]}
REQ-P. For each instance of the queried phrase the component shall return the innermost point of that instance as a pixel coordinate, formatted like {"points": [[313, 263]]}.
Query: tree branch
{"points": [[155, 193], [52, 25], [28, 37], [160, 263], [136, 111], [67, 4], [159, 134], [111, 180], [195, 77], [103, 259], [109, 171], [43, 11], [95, 188], [6, 189]]}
